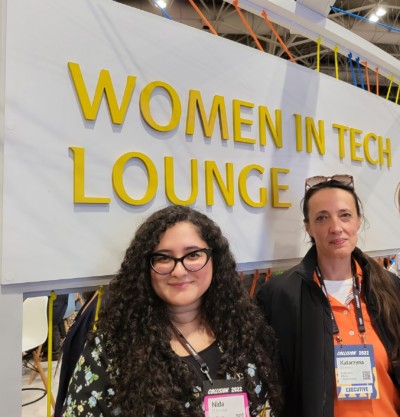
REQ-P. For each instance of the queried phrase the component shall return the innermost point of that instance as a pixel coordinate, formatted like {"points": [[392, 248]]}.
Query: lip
{"points": [[338, 242], [180, 285]]}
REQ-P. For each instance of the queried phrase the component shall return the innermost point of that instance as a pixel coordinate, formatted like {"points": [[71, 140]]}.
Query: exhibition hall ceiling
{"points": [[385, 34]]}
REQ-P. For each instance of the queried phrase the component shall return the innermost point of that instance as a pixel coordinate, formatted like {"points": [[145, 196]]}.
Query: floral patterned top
{"points": [[90, 393]]}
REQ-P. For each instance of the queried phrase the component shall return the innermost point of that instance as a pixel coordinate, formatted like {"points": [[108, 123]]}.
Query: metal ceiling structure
{"points": [[300, 24]]}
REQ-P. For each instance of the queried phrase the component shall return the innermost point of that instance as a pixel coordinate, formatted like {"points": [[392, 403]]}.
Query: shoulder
{"points": [[279, 283], [280, 288], [90, 391], [94, 355], [281, 292], [284, 290], [286, 282]]}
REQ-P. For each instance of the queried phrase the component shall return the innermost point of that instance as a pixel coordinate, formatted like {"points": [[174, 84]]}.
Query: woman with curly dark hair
{"points": [[178, 335]]}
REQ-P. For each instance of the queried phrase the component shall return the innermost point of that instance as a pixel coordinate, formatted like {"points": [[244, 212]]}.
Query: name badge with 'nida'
{"points": [[225, 398]]}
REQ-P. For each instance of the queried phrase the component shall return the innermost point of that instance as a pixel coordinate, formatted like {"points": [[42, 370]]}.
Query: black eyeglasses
{"points": [[192, 261], [320, 179]]}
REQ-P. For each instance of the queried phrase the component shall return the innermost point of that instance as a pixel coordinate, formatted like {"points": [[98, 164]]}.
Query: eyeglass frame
{"points": [[207, 251], [330, 179]]}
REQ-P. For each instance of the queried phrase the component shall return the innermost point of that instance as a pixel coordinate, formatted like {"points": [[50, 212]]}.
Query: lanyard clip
{"points": [[339, 340], [206, 371], [362, 335]]}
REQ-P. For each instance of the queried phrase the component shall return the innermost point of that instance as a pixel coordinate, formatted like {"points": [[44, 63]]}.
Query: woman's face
{"points": [[333, 222], [181, 287]]}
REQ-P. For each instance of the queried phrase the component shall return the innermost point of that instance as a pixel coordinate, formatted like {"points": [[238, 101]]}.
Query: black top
{"points": [[72, 348], [211, 356]]}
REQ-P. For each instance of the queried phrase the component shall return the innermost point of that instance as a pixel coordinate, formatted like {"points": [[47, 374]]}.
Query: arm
{"points": [[90, 392], [277, 307]]}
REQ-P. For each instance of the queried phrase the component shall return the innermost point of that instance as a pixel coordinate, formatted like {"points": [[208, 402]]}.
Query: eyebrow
{"points": [[186, 248], [344, 210]]}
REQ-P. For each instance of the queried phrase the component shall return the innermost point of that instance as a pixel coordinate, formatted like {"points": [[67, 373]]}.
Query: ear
{"points": [[359, 223]]}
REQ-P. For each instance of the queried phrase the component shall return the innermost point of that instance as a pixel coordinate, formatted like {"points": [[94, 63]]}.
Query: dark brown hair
{"points": [[330, 184], [382, 288]]}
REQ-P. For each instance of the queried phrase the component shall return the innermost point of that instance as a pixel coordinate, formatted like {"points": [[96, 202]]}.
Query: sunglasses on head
{"points": [[320, 179]]}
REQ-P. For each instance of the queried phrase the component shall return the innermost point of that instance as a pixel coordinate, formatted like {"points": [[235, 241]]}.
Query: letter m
{"points": [[104, 84]]}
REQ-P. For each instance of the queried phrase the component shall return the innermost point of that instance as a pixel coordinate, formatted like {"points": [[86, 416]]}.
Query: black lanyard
{"points": [[357, 302], [203, 366]]}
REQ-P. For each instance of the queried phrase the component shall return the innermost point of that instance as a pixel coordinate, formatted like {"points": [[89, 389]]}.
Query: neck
{"points": [[187, 317], [335, 269], [188, 321]]}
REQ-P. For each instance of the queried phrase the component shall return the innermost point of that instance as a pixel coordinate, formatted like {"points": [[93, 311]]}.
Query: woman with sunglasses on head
{"points": [[178, 335], [336, 315]]}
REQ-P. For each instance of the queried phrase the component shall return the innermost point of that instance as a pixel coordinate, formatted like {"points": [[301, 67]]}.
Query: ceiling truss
{"points": [[225, 20]]}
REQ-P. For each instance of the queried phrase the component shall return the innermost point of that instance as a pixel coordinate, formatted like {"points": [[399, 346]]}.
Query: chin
{"points": [[342, 252]]}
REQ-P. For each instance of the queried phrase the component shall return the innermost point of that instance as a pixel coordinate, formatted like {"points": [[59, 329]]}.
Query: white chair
{"points": [[34, 333]]}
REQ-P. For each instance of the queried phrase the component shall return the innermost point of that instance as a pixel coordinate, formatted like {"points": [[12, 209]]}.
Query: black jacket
{"points": [[73, 347], [295, 306]]}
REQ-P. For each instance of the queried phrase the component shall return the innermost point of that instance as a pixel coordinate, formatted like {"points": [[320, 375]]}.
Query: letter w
{"points": [[105, 85]]}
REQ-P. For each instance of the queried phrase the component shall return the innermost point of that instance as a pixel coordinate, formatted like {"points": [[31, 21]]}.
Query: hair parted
{"points": [[148, 378]]}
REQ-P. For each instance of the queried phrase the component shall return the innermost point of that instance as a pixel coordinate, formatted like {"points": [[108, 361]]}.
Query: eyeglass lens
{"points": [[193, 261]]}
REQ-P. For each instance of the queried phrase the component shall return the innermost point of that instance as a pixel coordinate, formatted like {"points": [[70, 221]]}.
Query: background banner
{"points": [[112, 113]]}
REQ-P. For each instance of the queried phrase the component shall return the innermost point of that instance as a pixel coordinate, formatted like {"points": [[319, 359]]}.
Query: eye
{"points": [[194, 255], [161, 259], [321, 218], [346, 215]]}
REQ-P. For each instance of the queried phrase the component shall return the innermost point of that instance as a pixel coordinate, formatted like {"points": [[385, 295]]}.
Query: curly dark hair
{"points": [[149, 378]]}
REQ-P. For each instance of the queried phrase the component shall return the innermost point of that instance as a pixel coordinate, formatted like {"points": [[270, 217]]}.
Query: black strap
{"points": [[357, 302], [203, 366]]}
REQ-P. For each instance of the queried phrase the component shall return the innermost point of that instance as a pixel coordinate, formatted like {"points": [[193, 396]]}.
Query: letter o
{"points": [[145, 97], [118, 184]]}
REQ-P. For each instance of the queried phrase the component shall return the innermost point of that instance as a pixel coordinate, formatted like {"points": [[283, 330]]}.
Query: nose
{"points": [[179, 269], [335, 225]]}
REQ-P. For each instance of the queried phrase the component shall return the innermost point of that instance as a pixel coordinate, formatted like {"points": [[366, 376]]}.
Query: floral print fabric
{"points": [[90, 393]]}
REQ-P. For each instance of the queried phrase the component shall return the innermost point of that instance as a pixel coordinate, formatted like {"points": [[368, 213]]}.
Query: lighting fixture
{"points": [[162, 4], [373, 18], [380, 12]]}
